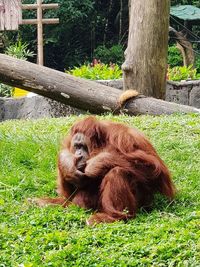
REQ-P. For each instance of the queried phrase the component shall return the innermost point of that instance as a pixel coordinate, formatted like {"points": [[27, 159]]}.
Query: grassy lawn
{"points": [[30, 236]]}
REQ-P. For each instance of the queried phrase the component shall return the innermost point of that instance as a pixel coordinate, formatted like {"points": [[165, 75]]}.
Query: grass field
{"points": [[169, 235]]}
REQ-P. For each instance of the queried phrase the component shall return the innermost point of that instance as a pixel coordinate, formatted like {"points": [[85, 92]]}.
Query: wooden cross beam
{"points": [[39, 22]]}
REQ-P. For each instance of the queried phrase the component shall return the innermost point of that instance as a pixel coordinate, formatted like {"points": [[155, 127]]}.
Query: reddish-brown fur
{"points": [[123, 172]]}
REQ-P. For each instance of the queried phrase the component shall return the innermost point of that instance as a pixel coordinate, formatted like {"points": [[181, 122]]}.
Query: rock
{"points": [[178, 95], [184, 92], [32, 108], [194, 99], [112, 83]]}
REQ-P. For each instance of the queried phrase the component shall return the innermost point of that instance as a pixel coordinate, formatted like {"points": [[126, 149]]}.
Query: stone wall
{"points": [[186, 93], [32, 108]]}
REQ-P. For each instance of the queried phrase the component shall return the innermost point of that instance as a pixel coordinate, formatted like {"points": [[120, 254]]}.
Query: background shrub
{"points": [[183, 73], [19, 50], [174, 56], [197, 64], [115, 54], [98, 71], [5, 90]]}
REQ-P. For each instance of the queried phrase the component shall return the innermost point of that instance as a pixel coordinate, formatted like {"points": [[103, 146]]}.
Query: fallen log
{"points": [[77, 92]]}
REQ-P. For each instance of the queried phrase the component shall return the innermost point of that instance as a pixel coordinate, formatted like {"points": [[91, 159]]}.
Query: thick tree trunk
{"points": [[146, 55], [77, 92]]}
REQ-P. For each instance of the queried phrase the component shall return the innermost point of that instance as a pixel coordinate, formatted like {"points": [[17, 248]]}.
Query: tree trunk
{"points": [[120, 20], [146, 55], [77, 92], [129, 9], [107, 22]]}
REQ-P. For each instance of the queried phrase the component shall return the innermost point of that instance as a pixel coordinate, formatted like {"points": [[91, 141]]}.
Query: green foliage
{"points": [[183, 73], [19, 50], [5, 90], [30, 236], [115, 54], [83, 26], [197, 64], [97, 72], [67, 43], [174, 56]]}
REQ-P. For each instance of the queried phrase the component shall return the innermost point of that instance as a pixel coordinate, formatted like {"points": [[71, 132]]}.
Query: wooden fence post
{"points": [[39, 22]]}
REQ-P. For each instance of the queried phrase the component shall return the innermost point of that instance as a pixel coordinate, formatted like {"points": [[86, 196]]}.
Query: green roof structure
{"points": [[185, 12]]}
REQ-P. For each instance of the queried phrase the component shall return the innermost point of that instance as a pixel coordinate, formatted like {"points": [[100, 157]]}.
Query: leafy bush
{"points": [[97, 71], [174, 56], [197, 64], [115, 54], [183, 73], [19, 50], [5, 90]]}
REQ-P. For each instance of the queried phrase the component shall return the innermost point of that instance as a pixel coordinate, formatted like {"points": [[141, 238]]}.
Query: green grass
{"points": [[169, 235]]}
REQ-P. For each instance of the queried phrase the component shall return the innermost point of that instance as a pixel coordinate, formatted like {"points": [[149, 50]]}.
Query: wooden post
{"points": [[39, 22], [40, 59]]}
